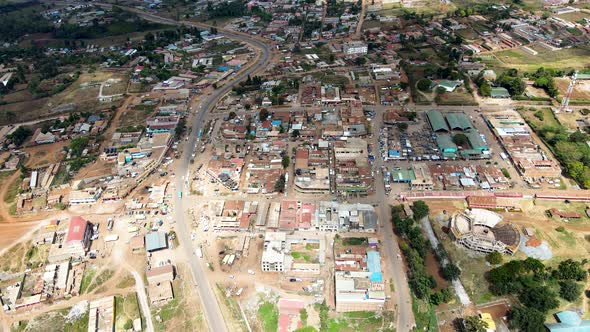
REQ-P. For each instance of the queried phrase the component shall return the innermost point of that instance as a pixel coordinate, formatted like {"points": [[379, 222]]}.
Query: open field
{"points": [[22, 256], [181, 313], [126, 310], [425, 7], [574, 58], [81, 94], [539, 116], [574, 17], [458, 98], [581, 89], [55, 321]]}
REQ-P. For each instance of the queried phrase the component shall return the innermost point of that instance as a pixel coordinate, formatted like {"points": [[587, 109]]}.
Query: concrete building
{"points": [[78, 237], [273, 255], [355, 48]]}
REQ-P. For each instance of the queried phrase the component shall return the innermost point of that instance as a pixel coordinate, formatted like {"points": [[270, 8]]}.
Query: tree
{"points": [[485, 90], [303, 315], [539, 297], [494, 258], [280, 184], [570, 269], [286, 161], [20, 135], [263, 115], [231, 115], [420, 210], [295, 133], [451, 272], [474, 324], [460, 139], [424, 84], [569, 290], [527, 319]]}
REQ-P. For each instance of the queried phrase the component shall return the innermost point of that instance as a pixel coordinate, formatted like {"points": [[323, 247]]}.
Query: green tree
{"points": [[494, 258], [303, 315], [485, 90], [295, 133], [420, 209], [280, 184], [570, 269], [286, 161], [527, 319], [569, 290], [451, 272], [424, 84], [474, 324], [539, 297]]}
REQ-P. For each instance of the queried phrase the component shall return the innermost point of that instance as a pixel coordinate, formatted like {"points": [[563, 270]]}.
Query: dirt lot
{"points": [[581, 90]]}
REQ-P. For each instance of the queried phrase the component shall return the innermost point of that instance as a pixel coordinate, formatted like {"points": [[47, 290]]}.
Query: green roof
{"points": [[437, 121], [403, 175], [445, 143], [475, 140], [500, 93], [458, 121]]}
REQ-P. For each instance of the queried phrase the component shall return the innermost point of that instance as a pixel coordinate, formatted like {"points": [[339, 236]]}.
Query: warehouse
{"points": [[476, 141], [446, 146], [459, 121], [437, 122]]}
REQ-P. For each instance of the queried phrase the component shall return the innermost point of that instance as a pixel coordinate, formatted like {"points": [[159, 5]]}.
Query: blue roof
{"points": [[276, 122], [155, 241], [374, 266], [569, 321], [222, 68]]}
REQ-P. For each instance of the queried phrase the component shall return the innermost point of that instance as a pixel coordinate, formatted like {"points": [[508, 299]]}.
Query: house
{"points": [[553, 212], [449, 86], [78, 236], [568, 321], [160, 274], [43, 138]]}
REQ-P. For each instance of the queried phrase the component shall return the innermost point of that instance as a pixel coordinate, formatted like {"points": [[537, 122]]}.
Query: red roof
{"points": [[77, 229]]}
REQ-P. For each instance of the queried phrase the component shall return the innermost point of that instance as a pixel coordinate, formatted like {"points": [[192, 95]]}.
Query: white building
{"points": [[273, 255], [355, 48]]}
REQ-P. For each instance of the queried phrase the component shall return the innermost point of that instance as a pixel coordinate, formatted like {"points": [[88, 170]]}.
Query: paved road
{"points": [[211, 308], [396, 267]]}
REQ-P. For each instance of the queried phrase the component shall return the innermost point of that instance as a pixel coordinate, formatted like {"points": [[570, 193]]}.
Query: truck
{"points": [[199, 252], [111, 221], [180, 194]]}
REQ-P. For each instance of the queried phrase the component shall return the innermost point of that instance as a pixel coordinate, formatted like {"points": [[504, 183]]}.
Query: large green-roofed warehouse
{"points": [[445, 144], [437, 121], [475, 140], [458, 121]]}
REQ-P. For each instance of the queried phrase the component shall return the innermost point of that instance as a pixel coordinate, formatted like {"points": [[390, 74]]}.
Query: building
{"points": [[437, 121], [422, 178], [160, 274], [500, 92], [78, 236], [358, 277], [101, 317], [273, 255], [449, 86], [483, 231], [355, 48], [568, 321], [160, 293], [156, 241], [84, 196], [493, 203]]}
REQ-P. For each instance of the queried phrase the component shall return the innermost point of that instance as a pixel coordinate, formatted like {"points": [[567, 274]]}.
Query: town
{"points": [[295, 165]]}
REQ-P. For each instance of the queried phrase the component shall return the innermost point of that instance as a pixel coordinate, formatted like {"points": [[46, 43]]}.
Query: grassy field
{"points": [[424, 315], [178, 315], [87, 278], [28, 256], [573, 58], [539, 117], [126, 310], [268, 314], [458, 98], [54, 321], [362, 321]]}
